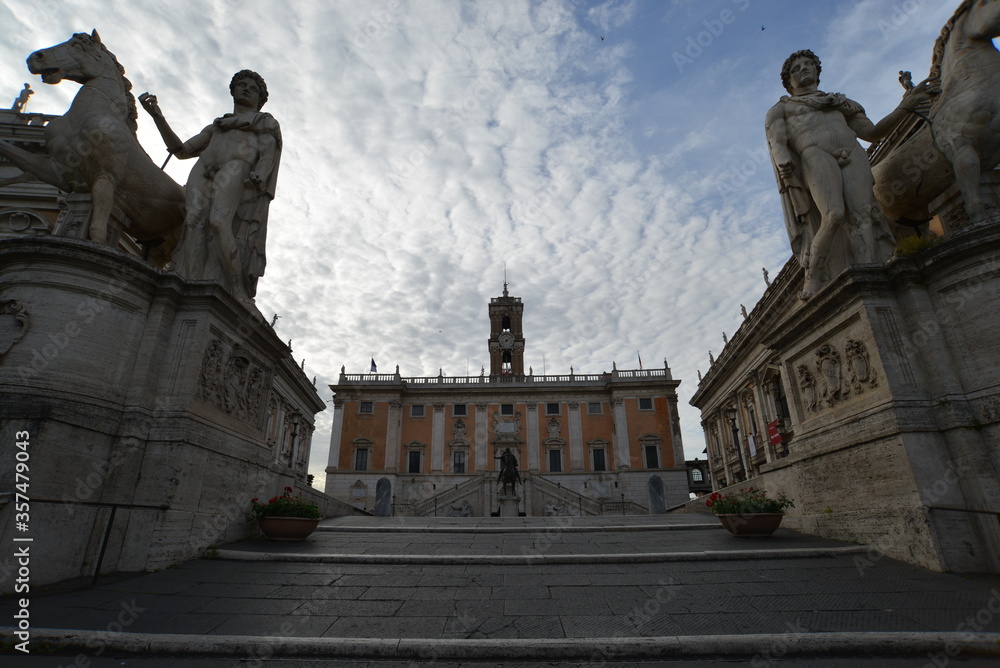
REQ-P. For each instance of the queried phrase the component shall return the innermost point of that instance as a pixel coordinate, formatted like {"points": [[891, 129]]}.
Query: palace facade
{"points": [[585, 444]]}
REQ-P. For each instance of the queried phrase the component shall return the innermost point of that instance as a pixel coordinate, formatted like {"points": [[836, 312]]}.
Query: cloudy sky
{"points": [[610, 153]]}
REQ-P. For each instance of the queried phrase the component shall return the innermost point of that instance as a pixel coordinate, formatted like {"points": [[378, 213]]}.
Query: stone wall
{"points": [[893, 381], [162, 401]]}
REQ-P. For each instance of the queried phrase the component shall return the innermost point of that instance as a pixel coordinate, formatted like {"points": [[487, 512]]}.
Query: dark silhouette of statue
{"points": [[508, 470]]}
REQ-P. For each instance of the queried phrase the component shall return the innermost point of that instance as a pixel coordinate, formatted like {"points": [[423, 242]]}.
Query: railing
{"points": [[561, 379], [625, 508], [444, 498], [642, 373], [369, 378], [585, 504]]}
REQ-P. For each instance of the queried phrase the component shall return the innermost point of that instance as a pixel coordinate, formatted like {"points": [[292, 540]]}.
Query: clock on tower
{"points": [[506, 338]]}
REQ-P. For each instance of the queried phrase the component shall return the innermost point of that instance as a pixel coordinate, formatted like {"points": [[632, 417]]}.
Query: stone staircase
{"points": [[535, 591], [577, 504]]}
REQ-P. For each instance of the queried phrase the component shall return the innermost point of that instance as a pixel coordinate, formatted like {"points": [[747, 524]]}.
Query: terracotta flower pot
{"points": [[751, 524], [287, 528]]}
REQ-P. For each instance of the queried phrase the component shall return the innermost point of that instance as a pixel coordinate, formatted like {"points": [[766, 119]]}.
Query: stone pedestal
{"points": [[154, 408], [509, 506], [890, 374]]}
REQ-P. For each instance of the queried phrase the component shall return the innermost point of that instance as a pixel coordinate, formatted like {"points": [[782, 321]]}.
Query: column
{"points": [[675, 431], [437, 439], [338, 426], [532, 443], [764, 411], [575, 437], [393, 432], [482, 439], [621, 435]]}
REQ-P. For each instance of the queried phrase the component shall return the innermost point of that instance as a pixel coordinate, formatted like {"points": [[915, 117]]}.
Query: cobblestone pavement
{"points": [[782, 598]]}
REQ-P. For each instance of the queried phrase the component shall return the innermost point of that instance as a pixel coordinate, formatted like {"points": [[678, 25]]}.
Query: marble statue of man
{"points": [[824, 175], [22, 99], [228, 190]]}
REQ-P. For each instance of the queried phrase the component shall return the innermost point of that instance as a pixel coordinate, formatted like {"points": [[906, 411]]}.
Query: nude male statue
{"points": [[229, 188], [824, 175]]}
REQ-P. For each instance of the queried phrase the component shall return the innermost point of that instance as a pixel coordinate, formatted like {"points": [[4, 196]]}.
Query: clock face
{"points": [[506, 340]]}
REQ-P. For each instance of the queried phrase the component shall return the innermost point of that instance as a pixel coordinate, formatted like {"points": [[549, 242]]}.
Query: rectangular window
{"points": [[459, 462], [416, 411], [361, 459], [459, 410], [506, 409], [594, 408], [413, 462], [645, 404], [555, 461], [599, 463], [652, 457], [366, 408], [552, 409]]}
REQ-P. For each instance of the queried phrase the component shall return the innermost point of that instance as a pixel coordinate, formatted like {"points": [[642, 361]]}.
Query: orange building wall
{"points": [[594, 427], [416, 429], [371, 427], [657, 422], [521, 453]]}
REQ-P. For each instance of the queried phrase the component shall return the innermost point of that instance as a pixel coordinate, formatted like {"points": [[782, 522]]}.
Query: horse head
{"points": [[81, 58], [983, 20]]}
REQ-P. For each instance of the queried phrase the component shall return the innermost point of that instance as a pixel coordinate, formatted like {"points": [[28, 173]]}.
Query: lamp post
{"points": [[731, 416]]}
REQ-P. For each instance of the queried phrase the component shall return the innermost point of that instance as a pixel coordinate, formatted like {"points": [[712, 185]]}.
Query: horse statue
{"points": [[958, 138], [508, 471], [93, 148]]}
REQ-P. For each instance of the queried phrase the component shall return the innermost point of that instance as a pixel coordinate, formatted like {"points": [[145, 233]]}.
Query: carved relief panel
{"points": [[833, 373], [233, 382]]}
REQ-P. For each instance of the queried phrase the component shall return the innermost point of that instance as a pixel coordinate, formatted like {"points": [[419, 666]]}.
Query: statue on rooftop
{"points": [[22, 99], [229, 189], [823, 173]]}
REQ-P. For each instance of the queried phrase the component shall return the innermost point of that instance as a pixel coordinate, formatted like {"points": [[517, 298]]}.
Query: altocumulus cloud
{"points": [[428, 143]]}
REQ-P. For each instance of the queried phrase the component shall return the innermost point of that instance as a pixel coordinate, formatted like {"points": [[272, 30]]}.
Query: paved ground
{"points": [[637, 591]]}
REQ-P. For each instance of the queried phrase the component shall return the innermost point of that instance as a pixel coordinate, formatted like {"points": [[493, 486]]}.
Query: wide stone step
{"points": [[624, 597], [553, 540]]}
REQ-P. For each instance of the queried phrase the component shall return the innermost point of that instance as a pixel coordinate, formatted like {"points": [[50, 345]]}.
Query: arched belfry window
{"points": [[505, 325]]}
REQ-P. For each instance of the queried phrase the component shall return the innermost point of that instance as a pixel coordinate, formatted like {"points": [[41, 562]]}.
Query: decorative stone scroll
{"points": [[13, 324], [830, 374], [232, 382], [863, 376], [807, 387]]}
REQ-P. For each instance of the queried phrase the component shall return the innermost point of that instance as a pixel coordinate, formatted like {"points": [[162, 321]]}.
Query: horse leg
{"points": [[965, 162], [102, 193], [39, 166]]}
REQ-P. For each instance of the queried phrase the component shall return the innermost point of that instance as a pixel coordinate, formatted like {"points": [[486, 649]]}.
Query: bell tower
{"points": [[506, 337]]}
